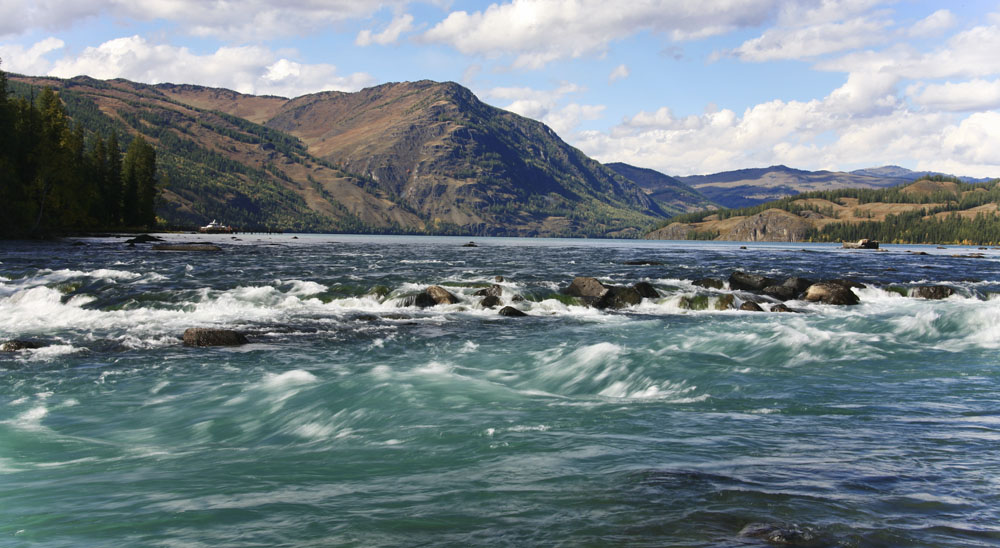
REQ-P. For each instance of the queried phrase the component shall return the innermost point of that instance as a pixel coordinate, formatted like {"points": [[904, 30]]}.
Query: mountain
{"points": [[935, 209], [411, 157], [666, 190], [750, 187]]}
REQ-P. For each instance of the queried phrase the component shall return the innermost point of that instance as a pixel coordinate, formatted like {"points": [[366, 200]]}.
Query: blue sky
{"points": [[679, 86]]}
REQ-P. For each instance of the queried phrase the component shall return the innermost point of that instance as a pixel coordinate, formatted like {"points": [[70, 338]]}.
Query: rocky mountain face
{"points": [[412, 157], [666, 190]]}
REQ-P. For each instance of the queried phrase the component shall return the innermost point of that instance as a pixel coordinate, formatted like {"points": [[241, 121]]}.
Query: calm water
{"points": [[350, 421]]}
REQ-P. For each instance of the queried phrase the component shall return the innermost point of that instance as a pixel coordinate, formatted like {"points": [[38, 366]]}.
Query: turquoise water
{"points": [[352, 421]]}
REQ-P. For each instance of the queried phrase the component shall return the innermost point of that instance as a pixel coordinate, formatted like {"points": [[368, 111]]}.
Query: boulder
{"points": [[831, 293], [646, 290], [781, 308], [697, 302], [586, 288], [470, 244], [186, 247], [490, 301], [511, 312], [781, 292], [143, 239], [745, 281], [441, 295], [709, 283], [619, 297], [492, 291], [498, 279], [16, 345], [199, 336], [750, 306], [725, 302], [932, 292], [421, 300]]}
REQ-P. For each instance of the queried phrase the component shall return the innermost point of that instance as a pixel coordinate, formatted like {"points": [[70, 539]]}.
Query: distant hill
{"points": [[750, 187], [666, 190], [412, 157], [935, 209]]}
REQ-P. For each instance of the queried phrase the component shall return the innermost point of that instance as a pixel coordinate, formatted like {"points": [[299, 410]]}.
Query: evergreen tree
{"points": [[139, 180]]}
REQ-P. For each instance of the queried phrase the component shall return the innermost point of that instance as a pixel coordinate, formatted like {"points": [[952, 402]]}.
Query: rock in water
{"points": [[511, 312], [932, 292], [492, 291], [619, 297], [421, 300], [831, 293], [490, 301], [646, 290], [199, 336], [441, 295], [15, 346], [586, 288], [709, 283], [745, 281], [186, 247], [750, 306]]}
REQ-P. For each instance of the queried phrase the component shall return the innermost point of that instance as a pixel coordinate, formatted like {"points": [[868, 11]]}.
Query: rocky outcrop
{"points": [[594, 293], [199, 336], [772, 225], [744, 281], [441, 295], [673, 231], [790, 289]]}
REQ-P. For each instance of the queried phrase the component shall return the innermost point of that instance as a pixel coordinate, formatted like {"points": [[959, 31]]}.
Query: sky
{"points": [[684, 87]]}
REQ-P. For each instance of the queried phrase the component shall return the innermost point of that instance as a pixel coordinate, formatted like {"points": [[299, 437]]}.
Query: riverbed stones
{"points": [[202, 336], [18, 345], [831, 293], [511, 312], [932, 292], [750, 306], [490, 301]]}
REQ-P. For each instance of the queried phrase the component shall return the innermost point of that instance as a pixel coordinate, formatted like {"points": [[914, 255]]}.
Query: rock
{"points": [[849, 284], [498, 279], [642, 262], [619, 297], [932, 292], [16, 346], [709, 283], [864, 243], [511, 312], [198, 336], [781, 292], [646, 290], [725, 302], [421, 300], [751, 307], [772, 225], [492, 291], [143, 239], [186, 247], [800, 284], [831, 293], [781, 535], [441, 295], [379, 291], [697, 302], [781, 308], [490, 301], [517, 299], [586, 288], [744, 281], [470, 244]]}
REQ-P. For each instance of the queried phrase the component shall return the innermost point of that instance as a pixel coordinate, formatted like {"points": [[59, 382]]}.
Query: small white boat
{"points": [[215, 228]]}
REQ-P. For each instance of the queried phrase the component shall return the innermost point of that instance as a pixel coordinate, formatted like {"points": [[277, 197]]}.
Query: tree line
{"points": [[55, 178]]}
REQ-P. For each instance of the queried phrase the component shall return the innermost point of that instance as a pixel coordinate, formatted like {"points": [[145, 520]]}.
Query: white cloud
{"points": [[620, 73], [963, 96], [934, 24], [545, 105], [17, 58], [537, 32], [391, 34], [244, 20], [813, 41], [247, 69]]}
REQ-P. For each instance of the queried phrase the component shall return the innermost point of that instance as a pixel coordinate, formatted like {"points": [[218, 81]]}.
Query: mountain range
{"points": [[410, 157]]}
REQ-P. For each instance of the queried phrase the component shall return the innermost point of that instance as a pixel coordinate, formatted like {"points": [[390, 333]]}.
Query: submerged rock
{"points": [[421, 300], [646, 290], [831, 293], [932, 292], [511, 312], [750, 306], [143, 239], [745, 281], [642, 262], [18, 345], [725, 302], [781, 308], [490, 301], [492, 291], [781, 535], [186, 247], [200, 336], [709, 283]]}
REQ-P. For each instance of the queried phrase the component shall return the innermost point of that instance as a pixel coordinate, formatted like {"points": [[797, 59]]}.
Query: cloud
{"points": [[244, 20], [934, 24], [963, 96], [537, 32], [813, 41], [391, 34], [247, 69], [545, 105], [17, 58], [620, 73]]}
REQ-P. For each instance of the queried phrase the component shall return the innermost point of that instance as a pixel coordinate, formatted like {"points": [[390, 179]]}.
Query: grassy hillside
{"points": [[933, 209]]}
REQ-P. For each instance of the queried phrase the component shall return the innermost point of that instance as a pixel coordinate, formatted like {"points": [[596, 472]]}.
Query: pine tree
{"points": [[139, 180]]}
